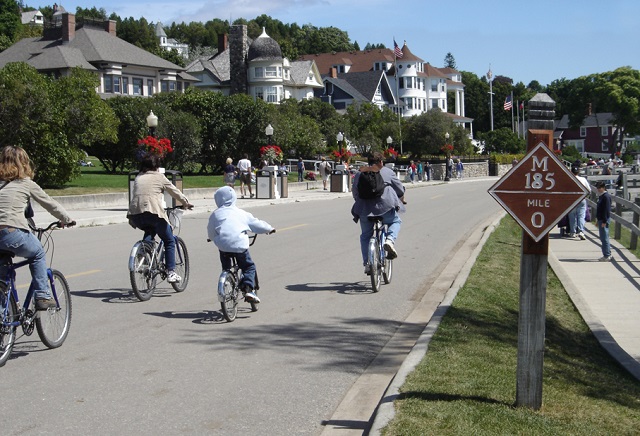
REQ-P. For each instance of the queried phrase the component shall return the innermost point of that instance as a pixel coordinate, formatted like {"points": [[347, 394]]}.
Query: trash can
{"points": [[265, 183], [339, 179], [283, 184], [175, 177]]}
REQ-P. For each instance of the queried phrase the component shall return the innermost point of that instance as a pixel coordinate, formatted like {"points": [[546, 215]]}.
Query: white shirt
{"points": [[244, 165]]}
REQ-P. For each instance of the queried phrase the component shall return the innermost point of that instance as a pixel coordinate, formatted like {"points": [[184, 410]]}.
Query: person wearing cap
{"points": [[603, 216]]}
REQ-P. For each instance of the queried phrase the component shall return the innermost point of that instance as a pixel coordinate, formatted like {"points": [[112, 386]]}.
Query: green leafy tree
{"points": [[10, 21], [502, 140], [617, 92], [425, 133]]}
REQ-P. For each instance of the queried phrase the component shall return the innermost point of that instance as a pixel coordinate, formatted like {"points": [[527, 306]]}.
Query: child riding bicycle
{"points": [[227, 228]]}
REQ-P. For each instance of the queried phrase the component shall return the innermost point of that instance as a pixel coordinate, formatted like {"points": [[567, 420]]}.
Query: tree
{"points": [[502, 140], [10, 22], [617, 92], [449, 61]]}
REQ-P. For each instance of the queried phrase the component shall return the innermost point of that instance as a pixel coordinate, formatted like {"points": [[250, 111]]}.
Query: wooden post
{"points": [[533, 276]]}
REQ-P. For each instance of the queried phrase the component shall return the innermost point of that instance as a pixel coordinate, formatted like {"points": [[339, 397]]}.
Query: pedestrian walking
{"points": [[603, 216]]}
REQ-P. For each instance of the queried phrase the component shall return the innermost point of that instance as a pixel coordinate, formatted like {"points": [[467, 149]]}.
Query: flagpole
{"points": [[512, 125], [518, 118], [490, 77], [395, 71]]}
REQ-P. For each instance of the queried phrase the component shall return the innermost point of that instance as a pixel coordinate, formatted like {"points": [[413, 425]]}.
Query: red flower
{"points": [[154, 146], [271, 153], [344, 156], [390, 153], [447, 148]]}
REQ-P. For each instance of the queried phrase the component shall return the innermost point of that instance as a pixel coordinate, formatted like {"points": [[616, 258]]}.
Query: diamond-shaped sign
{"points": [[538, 191]]}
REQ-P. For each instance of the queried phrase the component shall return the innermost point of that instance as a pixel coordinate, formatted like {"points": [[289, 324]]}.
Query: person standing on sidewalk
{"points": [[577, 215], [603, 216], [325, 172], [244, 168]]}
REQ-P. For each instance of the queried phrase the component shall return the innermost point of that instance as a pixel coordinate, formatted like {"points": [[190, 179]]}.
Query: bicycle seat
{"points": [[375, 218], [5, 253], [229, 255]]}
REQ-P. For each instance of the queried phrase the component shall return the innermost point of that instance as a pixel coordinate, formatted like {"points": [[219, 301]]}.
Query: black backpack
{"points": [[370, 185]]}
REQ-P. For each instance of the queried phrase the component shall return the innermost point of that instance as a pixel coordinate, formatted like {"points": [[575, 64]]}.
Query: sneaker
{"points": [[251, 195], [367, 270], [606, 259], [582, 236], [173, 277], [251, 297], [45, 303], [390, 249]]}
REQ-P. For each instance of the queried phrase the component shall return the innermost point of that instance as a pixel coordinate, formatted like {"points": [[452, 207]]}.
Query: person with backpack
{"points": [[377, 192]]}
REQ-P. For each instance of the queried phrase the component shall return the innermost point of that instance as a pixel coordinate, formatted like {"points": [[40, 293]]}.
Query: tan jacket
{"points": [[148, 193], [13, 200]]}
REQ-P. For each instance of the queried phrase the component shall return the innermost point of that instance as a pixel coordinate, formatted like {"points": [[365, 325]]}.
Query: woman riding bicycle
{"points": [[16, 189], [227, 228], [386, 205], [146, 209]]}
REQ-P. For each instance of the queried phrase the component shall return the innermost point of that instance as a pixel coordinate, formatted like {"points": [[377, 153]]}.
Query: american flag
{"points": [[508, 104], [397, 50]]}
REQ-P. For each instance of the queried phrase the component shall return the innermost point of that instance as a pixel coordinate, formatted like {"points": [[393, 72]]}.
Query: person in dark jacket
{"points": [[603, 216]]}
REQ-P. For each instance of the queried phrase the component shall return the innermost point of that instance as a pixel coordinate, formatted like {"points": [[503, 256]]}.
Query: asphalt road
{"points": [[173, 365]]}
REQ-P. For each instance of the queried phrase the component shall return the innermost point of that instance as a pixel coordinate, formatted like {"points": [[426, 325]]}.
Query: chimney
{"points": [[333, 72], [110, 26], [68, 27], [222, 42], [238, 58]]}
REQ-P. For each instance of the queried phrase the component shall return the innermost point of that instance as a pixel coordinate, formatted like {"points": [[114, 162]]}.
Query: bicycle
{"points": [[52, 324], [146, 261], [380, 266], [229, 292]]}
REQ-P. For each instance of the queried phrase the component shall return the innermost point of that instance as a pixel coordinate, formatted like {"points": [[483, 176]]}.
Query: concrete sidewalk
{"points": [[607, 294]]}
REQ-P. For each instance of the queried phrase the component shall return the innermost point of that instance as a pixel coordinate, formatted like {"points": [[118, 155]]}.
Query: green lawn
{"points": [[466, 382], [95, 180]]}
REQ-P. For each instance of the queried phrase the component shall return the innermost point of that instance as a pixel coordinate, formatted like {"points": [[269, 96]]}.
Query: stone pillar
{"points": [[238, 49]]}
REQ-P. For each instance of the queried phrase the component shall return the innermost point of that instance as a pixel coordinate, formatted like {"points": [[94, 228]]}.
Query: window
{"points": [[604, 131], [401, 83], [116, 84], [137, 86], [108, 84], [125, 85], [149, 86], [272, 72], [434, 86], [259, 72], [259, 93], [605, 145], [272, 94], [164, 86], [583, 132]]}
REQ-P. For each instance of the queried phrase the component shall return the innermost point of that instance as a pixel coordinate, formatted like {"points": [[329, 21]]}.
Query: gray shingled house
{"points": [[124, 69]]}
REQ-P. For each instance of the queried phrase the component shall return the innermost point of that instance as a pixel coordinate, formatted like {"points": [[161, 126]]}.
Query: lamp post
{"points": [[446, 164], [340, 138], [152, 123], [389, 141], [269, 132]]}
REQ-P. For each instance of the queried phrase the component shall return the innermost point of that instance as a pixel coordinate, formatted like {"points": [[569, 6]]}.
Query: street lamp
{"points": [[152, 123], [340, 138], [446, 164], [389, 141], [269, 132]]}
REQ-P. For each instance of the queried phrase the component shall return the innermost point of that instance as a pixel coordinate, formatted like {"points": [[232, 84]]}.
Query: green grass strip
{"points": [[466, 384]]}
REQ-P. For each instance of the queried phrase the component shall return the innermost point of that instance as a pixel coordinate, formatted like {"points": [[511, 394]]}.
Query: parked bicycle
{"points": [[380, 265], [229, 291], [146, 261], [52, 324]]}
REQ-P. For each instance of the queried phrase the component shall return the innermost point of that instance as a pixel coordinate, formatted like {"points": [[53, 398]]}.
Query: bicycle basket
{"points": [[175, 218]]}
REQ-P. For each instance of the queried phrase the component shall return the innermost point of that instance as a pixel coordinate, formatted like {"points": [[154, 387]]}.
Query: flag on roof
{"points": [[397, 50], [508, 104]]}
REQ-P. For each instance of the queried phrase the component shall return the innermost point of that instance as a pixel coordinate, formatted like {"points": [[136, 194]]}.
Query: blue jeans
{"points": [[604, 238], [246, 265], [390, 218], [25, 244], [153, 225]]}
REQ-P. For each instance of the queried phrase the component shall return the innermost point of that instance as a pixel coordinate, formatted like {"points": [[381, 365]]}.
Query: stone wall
{"points": [[471, 169]]}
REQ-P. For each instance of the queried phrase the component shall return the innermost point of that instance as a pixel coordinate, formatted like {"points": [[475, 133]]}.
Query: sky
{"points": [[543, 40]]}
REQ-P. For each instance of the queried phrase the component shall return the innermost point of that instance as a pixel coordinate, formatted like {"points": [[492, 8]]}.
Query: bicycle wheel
{"points": [[143, 279], [374, 261], [182, 265], [53, 324], [387, 270], [228, 294], [8, 313]]}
